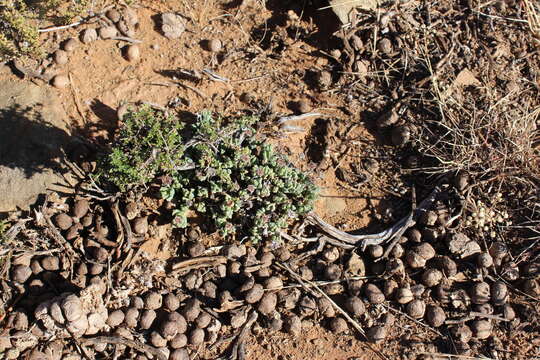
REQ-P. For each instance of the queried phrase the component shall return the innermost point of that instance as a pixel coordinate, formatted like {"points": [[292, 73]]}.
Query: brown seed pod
{"points": [[481, 329], [88, 36], [273, 283], [181, 323], [338, 325], [431, 277], [196, 337], [157, 340], [171, 302], [140, 225], [131, 318], [60, 57], [484, 260], [499, 293], [179, 341], [50, 263], [376, 334], [254, 294], [152, 300], [115, 318], [203, 320], [107, 32], [461, 333], [292, 325], [374, 294], [447, 266], [355, 306], [179, 354], [375, 251], [63, 221], [401, 135], [72, 308], [268, 303], [425, 250], [416, 309], [21, 273], [191, 310], [147, 319], [480, 293], [389, 288], [435, 315], [415, 260], [332, 272], [70, 44]]}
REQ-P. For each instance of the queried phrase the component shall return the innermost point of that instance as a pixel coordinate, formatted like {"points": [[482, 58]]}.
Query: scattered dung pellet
{"points": [[431, 277], [332, 272], [499, 293], [88, 36], [416, 309], [376, 334], [21, 273], [113, 15], [480, 293], [131, 318], [80, 208], [157, 340], [401, 135], [268, 303], [481, 329], [373, 294], [137, 302], [428, 218], [292, 325], [179, 354], [60, 57], [254, 294], [140, 225], [131, 209], [99, 254], [191, 310], [132, 53], [115, 318], [498, 250], [338, 325], [72, 308], [168, 329], [181, 323], [70, 44], [461, 180], [283, 254], [484, 260], [390, 287], [302, 106], [273, 283], [508, 312], [307, 306], [171, 302], [36, 267], [375, 251], [203, 320], [95, 269], [355, 306], [415, 260], [50, 263], [195, 248], [425, 250], [384, 45], [19, 320], [179, 341], [331, 254], [305, 273], [324, 79], [152, 300], [63, 221], [107, 32], [196, 336], [147, 319], [447, 266], [435, 315]]}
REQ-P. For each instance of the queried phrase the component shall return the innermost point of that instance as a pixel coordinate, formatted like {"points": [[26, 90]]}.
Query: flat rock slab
{"points": [[32, 136]]}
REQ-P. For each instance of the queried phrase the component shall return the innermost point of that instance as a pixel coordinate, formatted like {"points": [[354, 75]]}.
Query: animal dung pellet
{"points": [[435, 315], [140, 225], [338, 325], [431, 277], [168, 329], [60, 57], [416, 309], [179, 341], [70, 44], [172, 25], [157, 340], [181, 323], [107, 32], [203, 320], [147, 319], [113, 15], [292, 325], [131, 317], [481, 329], [179, 354], [171, 302], [254, 294], [374, 294], [80, 208], [196, 336], [376, 334], [213, 45], [152, 300], [191, 310], [63, 221], [89, 35], [115, 318], [268, 303], [60, 82], [480, 293], [355, 306]]}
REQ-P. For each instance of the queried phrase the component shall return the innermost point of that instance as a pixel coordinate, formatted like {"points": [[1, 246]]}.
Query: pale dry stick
{"points": [[77, 23], [473, 315], [378, 238], [196, 91], [119, 340], [238, 349], [413, 319], [126, 39], [202, 261], [285, 119], [323, 283]]}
